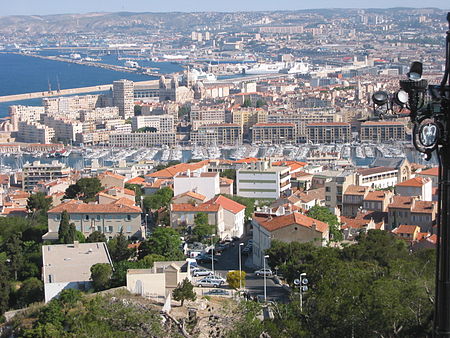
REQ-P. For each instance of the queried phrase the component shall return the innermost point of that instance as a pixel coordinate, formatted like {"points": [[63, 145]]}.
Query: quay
{"points": [[62, 92]]}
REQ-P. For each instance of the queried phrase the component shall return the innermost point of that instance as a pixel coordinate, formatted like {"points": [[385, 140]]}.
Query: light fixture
{"points": [[401, 98], [415, 72], [380, 98]]}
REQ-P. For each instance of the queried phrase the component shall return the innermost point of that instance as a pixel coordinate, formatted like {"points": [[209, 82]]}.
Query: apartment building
{"points": [[378, 200], [262, 180], [219, 134], [382, 131], [35, 172], [34, 132], [336, 183], [247, 117], [324, 132], [274, 133], [65, 129], [410, 210], [123, 97], [162, 123], [142, 139], [417, 186], [108, 219], [378, 177], [353, 199], [63, 104], [208, 115], [99, 114], [24, 113], [206, 184]]}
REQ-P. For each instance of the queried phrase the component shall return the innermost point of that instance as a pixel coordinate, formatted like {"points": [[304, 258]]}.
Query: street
{"points": [[229, 260]]}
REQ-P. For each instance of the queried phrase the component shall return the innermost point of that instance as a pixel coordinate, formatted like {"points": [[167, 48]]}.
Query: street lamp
{"points": [[212, 253], [429, 107], [265, 284], [240, 266], [302, 283]]}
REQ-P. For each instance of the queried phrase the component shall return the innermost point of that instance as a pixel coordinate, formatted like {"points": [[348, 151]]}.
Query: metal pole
{"points": [[265, 286], [212, 255], [240, 266]]}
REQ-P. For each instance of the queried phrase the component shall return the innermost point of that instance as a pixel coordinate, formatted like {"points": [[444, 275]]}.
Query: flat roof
{"points": [[72, 262]]}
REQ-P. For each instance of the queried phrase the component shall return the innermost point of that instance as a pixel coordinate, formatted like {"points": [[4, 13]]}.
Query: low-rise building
{"points": [[382, 131], [353, 199], [294, 227], [378, 200], [274, 133], [36, 172], [378, 177], [417, 186], [325, 132], [410, 210], [68, 266], [217, 134], [206, 183], [142, 139]]}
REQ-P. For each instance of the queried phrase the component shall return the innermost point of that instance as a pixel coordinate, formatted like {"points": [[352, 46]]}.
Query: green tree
{"points": [[229, 173], [236, 278], [14, 252], [260, 103], [118, 248], [137, 110], [149, 260], [184, 291], [31, 291], [247, 103], [159, 199], [69, 297], [163, 241], [84, 189], [66, 231], [96, 237], [100, 275], [39, 202], [201, 219], [249, 204], [5, 288], [323, 214], [184, 111]]}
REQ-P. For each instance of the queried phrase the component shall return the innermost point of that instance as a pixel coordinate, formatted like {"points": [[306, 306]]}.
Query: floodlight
{"points": [[415, 72], [380, 98]]}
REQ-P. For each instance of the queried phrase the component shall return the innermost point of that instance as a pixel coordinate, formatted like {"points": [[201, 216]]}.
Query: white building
{"points": [[34, 132], [262, 180], [123, 97], [207, 184], [142, 139], [378, 177], [233, 216], [162, 123], [68, 266], [65, 129], [24, 113]]}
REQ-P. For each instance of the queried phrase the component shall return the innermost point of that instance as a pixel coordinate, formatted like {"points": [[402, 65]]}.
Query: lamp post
{"points": [[240, 266], [265, 284], [212, 253], [429, 107]]}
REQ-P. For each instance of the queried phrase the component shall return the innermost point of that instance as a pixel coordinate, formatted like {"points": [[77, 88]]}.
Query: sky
{"points": [[43, 7]]}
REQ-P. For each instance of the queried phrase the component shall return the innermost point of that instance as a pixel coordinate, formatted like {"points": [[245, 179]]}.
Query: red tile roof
{"points": [[137, 180], [375, 196], [78, 207], [401, 202], [170, 172], [227, 204], [356, 190], [108, 173], [430, 172], [414, 182], [424, 207], [191, 194], [294, 218], [406, 229]]}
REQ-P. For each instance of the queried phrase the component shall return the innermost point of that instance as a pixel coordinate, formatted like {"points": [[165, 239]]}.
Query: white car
{"points": [[216, 278], [264, 272], [208, 283], [201, 272]]}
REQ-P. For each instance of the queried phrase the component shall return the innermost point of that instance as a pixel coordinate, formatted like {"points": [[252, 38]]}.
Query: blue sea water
{"points": [[24, 74]]}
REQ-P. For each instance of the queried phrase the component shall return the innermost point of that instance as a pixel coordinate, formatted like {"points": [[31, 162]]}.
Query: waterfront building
{"points": [[325, 132], [274, 133], [142, 139], [99, 114], [35, 172], [24, 113], [247, 117], [261, 180], [123, 97], [66, 104], [66, 130], [34, 132], [162, 123], [217, 134], [382, 131], [206, 115]]}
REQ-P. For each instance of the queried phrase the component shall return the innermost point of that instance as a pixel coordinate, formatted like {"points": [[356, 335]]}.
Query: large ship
{"points": [[264, 68], [297, 68]]}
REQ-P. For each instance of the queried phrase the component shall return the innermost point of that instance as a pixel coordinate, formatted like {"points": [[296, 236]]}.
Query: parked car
{"points": [[205, 259], [208, 283], [264, 272], [201, 272], [216, 278], [218, 292]]}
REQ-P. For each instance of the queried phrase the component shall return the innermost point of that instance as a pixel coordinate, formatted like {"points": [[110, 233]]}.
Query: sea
{"points": [[25, 74]]}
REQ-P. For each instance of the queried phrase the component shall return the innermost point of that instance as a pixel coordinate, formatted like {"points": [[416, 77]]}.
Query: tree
{"points": [[100, 276], [236, 278], [137, 190], [323, 214], [149, 260], [247, 103], [31, 291], [118, 248], [202, 229], [248, 202], [260, 103], [184, 111], [96, 237], [163, 241], [5, 288], [159, 199], [137, 110], [184, 291], [201, 219], [85, 189], [66, 231], [229, 173], [14, 251], [39, 202]]}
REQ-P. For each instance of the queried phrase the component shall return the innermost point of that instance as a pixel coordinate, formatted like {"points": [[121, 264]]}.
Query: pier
{"points": [[62, 92]]}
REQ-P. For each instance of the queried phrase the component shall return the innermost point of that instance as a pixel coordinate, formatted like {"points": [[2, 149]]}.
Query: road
{"points": [[229, 260]]}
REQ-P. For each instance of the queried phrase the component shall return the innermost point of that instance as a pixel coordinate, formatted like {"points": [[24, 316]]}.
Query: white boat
{"points": [[264, 68], [296, 68], [131, 64]]}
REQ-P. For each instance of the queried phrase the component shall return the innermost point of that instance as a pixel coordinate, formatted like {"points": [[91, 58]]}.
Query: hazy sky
{"points": [[27, 7]]}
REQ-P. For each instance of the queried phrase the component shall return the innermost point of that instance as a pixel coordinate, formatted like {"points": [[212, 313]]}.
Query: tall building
{"points": [[35, 172], [328, 132], [123, 97]]}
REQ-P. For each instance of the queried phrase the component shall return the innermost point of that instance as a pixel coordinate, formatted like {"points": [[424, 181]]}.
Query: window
{"points": [[327, 189], [87, 228], [78, 227], [58, 217], [86, 217], [327, 198], [98, 217], [128, 228], [128, 217], [110, 228], [99, 228]]}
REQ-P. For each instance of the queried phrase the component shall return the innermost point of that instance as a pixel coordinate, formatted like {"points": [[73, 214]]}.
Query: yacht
{"points": [[131, 64]]}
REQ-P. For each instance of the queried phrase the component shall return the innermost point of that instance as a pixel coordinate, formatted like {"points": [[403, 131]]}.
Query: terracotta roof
{"points": [[191, 194], [157, 184], [226, 181], [424, 207], [78, 207], [247, 160], [406, 229], [313, 194], [375, 196], [294, 165], [331, 124], [354, 223], [18, 194], [279, 222], [274, 125], [170, 172], [137, 180], [121, 190], [377, 216], [125, 201], [356, 190], [227, 204], [111, 174], [187, 207], [414, 182], [402, 202], [381, 123], [430, 172], [432, 239], [376, 170]]}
